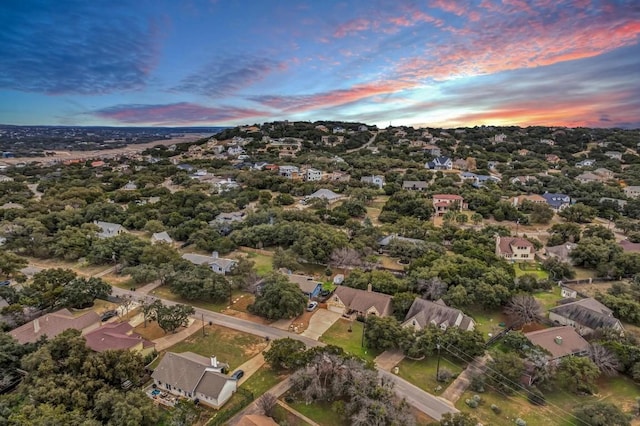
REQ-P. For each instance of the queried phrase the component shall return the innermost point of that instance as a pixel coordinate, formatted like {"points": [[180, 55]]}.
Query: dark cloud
{"points": [[228, 75], [181, 113], [73, 47]]}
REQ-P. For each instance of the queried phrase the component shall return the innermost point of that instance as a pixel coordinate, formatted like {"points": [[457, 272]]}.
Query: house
{"points": [[552, 158], [256, 420], [482, 180], [605, 173], [161, 237], [108, 230], [585, 315], [217, 264], [620, 204], [337, 176], [559, 342], [348, 301], [384, 242], [325, 194], [186, 167], [515, 249], [568, 293], [561, 251], [338, 129], [414, 185], [423, 313], [52, 324], [443, 203], [585, 163], [468, 176], [433, 150], [234, 150], [98, 163], [523, 180], [589, 177], [549, 142], [375, 180], [632, 191], [308, 285], [194, 376], [232, 217], [4, 178], [460, 164], [556, 201], [439, 163], [614, 155], [118, 336], [313, 175], [290, 172], [130, 186], [533, 198]]}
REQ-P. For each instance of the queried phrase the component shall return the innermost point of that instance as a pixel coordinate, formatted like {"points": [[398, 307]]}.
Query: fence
{"points": [[246, 398]]}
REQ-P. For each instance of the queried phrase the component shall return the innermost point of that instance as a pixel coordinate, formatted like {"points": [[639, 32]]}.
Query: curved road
{"points": [[429, 404]]}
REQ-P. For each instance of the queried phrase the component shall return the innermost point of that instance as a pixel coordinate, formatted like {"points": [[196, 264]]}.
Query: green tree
{"points": [[81, 292], [505, 370], [541, 213], [579, 213], [593, 252], [476, 218], [601, 413], [382, 333], [578, 374], [286, 354], [458, 419], [279, 298], [170, 318], [401, 304], [10, 264]]}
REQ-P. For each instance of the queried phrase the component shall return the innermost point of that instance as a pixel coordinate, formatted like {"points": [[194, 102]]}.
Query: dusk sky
{"points": [[433, 63]]}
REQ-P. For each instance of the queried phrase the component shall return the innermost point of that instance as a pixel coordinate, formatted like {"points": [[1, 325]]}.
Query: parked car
{"points": [[311, 306], [107, 315], [237, 375], [4, 283]]}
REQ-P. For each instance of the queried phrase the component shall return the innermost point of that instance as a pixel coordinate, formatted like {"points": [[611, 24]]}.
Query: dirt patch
{"points": [[532, 327], [242, 302], [592, 289], [246, 316], [151, 332], [301, 323]]}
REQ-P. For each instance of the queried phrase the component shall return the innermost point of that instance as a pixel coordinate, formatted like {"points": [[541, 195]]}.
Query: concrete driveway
{"points": [[320, 322]]}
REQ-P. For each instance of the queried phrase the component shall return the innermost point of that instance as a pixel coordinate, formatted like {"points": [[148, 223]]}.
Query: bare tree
{"points": [[345, 258], [604, 359], [266, 403], [523, 309], [431, 289], [125, 302]]}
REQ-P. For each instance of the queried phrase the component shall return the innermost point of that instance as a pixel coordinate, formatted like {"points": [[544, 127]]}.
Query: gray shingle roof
{"points": [[362, 300], [425, 312], [587, 312]]}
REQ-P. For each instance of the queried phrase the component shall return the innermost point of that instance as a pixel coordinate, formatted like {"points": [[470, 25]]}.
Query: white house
{"points": [[313, 175], [376, 180], [217, 264], [515, 249]]}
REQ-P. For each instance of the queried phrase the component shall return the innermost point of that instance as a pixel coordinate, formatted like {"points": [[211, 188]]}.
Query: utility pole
{"points": [[202, 325], [438, 364]]}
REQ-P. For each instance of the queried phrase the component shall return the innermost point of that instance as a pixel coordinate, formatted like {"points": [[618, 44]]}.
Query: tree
{"points": [[523, 309], [267, 403], [461, 218], [541, 213], [285, 259], [401, 304], [81, 292], [599, 231], [10, 264], [382, 333], [594, 252], [458, 419], [345, 258], [558, 269], [286, 354], [578, 373], [579, 213], [170, 318], [606, 361], [505, 370], [601, 414], [279, 298], [47, 287], [476, 218], [564, 232]]}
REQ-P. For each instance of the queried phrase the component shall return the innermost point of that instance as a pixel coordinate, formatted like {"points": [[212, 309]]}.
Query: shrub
{"points": [[471, 403], [445, 375], [477, 383], [536, 397], [520, 422], [496, 409], [477, 398]]}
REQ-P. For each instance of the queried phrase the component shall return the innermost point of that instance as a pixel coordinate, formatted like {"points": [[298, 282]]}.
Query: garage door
{"points": [[336, 309]]}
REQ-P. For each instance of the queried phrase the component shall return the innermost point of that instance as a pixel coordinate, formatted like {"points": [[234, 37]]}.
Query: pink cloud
{"points": [[182, 113], [352, 26]]}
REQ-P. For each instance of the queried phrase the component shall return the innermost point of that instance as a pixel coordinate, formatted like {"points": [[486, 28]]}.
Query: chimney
{"points": [[558, 340], [36, 325], [369, 287], [214, 361], [214, 254]]}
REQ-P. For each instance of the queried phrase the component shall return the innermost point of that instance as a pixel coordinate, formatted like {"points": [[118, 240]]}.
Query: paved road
{"points": [[366, 145], [429, 404]]}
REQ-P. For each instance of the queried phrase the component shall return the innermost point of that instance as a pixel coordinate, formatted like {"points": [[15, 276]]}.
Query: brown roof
{"points": [[256, 420], [447, 197], [115, 336], [212, 383], [425, 312], [507, 242], [307, 284], [559, 341], [53, 324], [362, 300]]}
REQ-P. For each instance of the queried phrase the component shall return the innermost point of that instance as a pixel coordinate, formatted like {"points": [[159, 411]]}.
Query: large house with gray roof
{"points": [[108, 230], [424, 313], [350, 301], [217, 264], [195, 377], [585, 315]]}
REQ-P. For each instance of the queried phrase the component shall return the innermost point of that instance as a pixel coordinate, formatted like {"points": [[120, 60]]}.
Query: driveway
{"points": [[389, 359], [250, 367], [320, 322]]}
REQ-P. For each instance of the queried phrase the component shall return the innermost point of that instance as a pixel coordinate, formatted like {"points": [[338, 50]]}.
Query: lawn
{"points": [[229, 346], [350, 341], [166, 293], [423, 373], [548, 299], [487, 321], [320, 413], [81, 268], [283, 416], [560, 404], [263, 262], [263, 380], [531, 269]]}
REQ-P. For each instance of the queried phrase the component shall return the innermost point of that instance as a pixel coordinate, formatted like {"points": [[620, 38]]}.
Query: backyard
{"points": [[320, 412], [423, 373]]}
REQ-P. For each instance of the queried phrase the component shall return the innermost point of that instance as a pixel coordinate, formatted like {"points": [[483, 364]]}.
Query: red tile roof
{"points": [[507, 242]]}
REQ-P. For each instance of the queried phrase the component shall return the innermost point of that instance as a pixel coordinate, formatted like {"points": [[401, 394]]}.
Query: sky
{"points": [[438, 63]]}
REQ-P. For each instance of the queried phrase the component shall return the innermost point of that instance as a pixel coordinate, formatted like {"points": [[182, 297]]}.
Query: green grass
{"points": [[351, 342], [548, 299], [166, 293], [262, 380], [229, 346], [560, 404], [583, 273], [320, 413], [487, 321], [423, 373], [532, 270], [281, 415], [263, 263]]}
